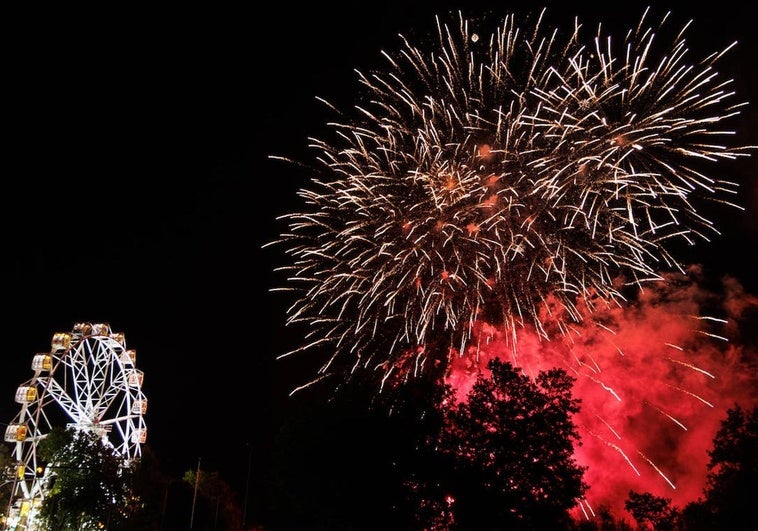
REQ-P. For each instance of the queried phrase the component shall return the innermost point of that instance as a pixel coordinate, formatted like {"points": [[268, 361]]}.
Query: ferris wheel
{"points": [[88, 381]]}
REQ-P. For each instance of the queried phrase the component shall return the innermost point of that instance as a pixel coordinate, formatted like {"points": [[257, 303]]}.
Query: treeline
{"points": [[415, 460]]}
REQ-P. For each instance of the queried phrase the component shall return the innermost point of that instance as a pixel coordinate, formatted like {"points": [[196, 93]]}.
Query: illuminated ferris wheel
{"points": [[88, 381]]}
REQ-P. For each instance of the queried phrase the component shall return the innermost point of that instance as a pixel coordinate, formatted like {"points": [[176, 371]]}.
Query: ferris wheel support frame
{"points": [[88, 381]]}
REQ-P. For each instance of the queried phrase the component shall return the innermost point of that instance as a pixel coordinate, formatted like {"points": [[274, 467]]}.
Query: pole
{"points": [[163, 508], [247, 487], [11, 496], [194, 496]]}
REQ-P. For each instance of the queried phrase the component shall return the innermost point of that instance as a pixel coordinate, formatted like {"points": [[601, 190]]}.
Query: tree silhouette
{"points": [[7, 473], [604, 520], [503, 458], [216, 505], [732, 474], [336, 465], [149, 487], [652, 512]]}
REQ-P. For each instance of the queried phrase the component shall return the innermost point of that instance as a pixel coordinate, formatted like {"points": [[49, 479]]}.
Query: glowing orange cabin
{"points": [[135, 378], [139, 435], [15, 432], [42, 362], [83, 328], [129, 357], [101, 329], [140, 406], [26, 394], [61, 341]]}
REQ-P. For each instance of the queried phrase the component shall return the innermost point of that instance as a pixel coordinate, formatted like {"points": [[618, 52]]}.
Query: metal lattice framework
{"points": [[88, 381]]}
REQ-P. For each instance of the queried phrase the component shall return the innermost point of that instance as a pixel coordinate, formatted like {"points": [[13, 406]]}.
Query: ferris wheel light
{"points": [[15, 432], [129, 357], [82, 328], [139, 406], [26, 393], [42, 362], [60, 341], [101, 329], [135, 378], [139, 436]]}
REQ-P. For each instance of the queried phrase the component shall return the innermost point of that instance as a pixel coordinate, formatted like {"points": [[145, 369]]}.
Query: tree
{"points": [[505, 455], [696, 516], [604, 520], [651, 511], [733, 471], [732, 475], [89, 481], [7, 473], [216, 504], [335, 464], [149, 489]]}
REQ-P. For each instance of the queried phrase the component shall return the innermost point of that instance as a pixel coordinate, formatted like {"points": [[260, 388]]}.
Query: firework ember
{"points": [[500, 174]]}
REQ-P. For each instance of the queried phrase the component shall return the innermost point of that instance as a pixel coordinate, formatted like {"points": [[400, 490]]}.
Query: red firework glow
{"points": [[655, 379]]}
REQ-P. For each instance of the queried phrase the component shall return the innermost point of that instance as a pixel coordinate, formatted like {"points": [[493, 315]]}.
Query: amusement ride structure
{"points": [[89, 382]]}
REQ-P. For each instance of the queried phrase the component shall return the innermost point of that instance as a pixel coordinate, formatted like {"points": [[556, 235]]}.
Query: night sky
{"points": [[139, 189]]}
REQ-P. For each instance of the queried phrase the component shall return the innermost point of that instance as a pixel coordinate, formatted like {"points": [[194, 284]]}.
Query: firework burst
{"points": [[510, 176]]}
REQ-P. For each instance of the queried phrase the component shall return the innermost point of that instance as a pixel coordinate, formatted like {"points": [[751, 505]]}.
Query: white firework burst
{"points": [[506, 176]]}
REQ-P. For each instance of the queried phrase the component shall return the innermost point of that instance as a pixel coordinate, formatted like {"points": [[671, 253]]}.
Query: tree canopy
{"points": [[733, 471], [504, 457], [89, 483]]}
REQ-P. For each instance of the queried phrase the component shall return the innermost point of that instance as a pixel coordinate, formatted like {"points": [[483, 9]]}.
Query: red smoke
{"points": [[655, 376]]}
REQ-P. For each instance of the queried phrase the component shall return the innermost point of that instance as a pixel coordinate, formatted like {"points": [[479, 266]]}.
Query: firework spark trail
{"points": [[690, 393], [662, 412], [691, 366], [671, 484], [619, 450], [613, 431], [587, 515]]}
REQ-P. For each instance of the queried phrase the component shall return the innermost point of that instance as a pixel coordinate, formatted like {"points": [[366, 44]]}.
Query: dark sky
{"points": [[139, 189]]}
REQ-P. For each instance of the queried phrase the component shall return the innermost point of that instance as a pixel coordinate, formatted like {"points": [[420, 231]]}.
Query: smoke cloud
{"points": [[656, 377]]}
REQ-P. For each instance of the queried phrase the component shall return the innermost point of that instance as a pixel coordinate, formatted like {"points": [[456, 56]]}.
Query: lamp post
{"points": [[194, 496], [247, 485]]}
